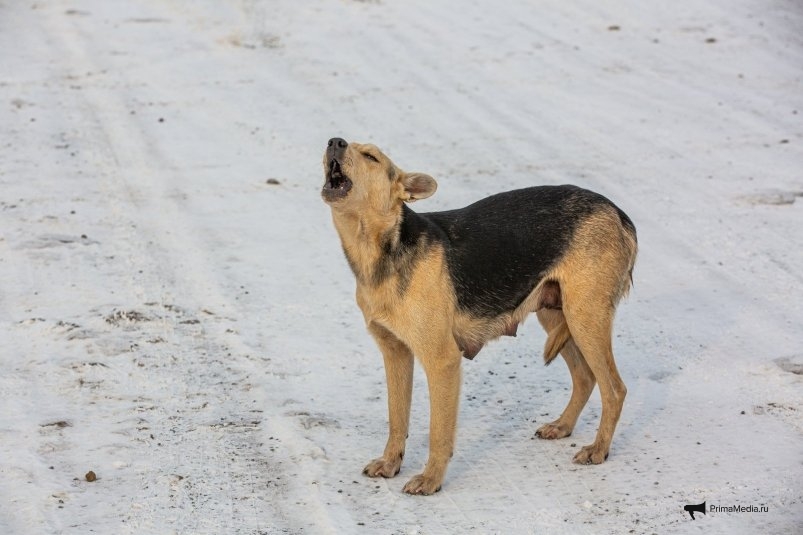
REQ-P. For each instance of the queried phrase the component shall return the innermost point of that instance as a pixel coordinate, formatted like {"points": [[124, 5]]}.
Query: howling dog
{"points": [[438, 286]]}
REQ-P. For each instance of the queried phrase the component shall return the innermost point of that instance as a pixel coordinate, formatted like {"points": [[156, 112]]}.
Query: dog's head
{"points": [[361, 177]]}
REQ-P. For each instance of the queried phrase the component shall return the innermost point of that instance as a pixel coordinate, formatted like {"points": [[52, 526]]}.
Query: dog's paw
{"points": [[552, 431], [423, 485], [382, 468], [592, 454]]}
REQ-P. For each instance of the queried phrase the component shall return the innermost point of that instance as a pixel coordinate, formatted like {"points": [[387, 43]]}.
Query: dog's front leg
{"points": [[443, 377], [399, 373]]}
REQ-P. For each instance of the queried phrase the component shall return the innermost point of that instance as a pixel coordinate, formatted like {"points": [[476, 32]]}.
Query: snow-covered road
{"points": [[176, 314]]}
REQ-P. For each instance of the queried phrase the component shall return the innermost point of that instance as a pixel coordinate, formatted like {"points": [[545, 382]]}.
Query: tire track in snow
{"points": [[207, 366]]}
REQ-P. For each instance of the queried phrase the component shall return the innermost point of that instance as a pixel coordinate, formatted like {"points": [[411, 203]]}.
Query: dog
{"points": [[438, 286]]}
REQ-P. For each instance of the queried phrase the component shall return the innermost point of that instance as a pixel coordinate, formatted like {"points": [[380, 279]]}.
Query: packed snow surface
{"points": [[176, 314]]}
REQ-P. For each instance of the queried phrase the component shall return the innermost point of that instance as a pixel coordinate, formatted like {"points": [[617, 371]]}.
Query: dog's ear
{"points": [[418, 186]]}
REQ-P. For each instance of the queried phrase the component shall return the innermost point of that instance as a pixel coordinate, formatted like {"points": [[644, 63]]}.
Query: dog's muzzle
{"points": [[337, 184]]}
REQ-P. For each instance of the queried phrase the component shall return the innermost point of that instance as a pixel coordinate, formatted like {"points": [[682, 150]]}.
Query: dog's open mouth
{"points": [[337, 184]]}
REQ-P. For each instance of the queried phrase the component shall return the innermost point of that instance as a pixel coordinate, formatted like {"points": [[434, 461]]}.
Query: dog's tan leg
{"points": [[591, 327], [442, 367], [582, 381], [399, 373]]}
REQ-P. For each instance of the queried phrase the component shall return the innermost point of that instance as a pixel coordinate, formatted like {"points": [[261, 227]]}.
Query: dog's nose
{"points": [[336, 149], [338, 143]]}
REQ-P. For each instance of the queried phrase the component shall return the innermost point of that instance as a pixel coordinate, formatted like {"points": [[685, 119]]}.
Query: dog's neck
{"points": [[368, 239]]}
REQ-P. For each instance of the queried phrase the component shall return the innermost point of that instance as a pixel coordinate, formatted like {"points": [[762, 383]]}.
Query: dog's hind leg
{"points": [[593, 275], [591, 327], [582, 380], [399, 373]]}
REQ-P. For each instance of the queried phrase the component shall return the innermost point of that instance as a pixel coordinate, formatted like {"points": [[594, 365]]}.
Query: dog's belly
{"points": [[472, 332]]}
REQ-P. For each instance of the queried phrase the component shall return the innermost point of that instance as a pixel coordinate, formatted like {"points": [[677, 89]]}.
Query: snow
{"points": [[187, 331]]}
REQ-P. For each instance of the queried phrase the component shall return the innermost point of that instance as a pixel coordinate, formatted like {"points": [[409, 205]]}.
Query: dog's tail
{"points": [[555, 340]]}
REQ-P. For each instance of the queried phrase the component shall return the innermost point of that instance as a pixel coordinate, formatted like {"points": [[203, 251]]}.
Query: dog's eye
{"points": [[371, 157]]}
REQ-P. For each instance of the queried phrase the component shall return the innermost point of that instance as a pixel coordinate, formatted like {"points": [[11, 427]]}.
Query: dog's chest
{"points": [[378, 304], [414, 299]]}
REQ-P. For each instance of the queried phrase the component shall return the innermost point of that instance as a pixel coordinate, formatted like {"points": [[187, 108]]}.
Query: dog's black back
{"points": [[499, 248]]}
